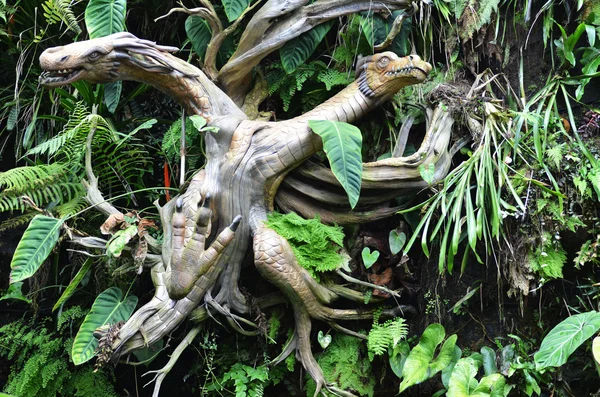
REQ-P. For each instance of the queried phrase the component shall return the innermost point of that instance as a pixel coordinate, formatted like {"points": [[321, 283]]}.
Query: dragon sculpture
{"points": [[227, 202]]}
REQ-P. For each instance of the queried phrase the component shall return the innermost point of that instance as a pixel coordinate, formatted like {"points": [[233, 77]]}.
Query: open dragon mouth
{"points": [[56, 78], [406, 70]]}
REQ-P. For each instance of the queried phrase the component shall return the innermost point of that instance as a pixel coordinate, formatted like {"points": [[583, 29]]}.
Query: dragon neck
{"points": [[185, 83], [347, 106]]}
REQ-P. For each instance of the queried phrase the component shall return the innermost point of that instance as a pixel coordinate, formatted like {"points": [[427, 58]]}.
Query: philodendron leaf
{"points": [[199, 33], [565, 338], [74, 283], [398, 356], [296, 51], [596, 349], [427, 173], [234, 8], [198, 122], [397, 240], [342, 143], [108, 308], [464, 384], [447, 372], [368, 257], [420, 364], [489, 360], [105, 17], [324, 340], [36, 244]]}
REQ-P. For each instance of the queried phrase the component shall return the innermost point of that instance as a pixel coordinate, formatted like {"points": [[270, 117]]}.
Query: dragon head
{"points": [[382, 75], [99, 60]]}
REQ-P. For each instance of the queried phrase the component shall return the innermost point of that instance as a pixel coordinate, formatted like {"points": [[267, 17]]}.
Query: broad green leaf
{"points": [[596, 349], [489, 360], [119, 240], [368, 257], [324, 340], [234, 8], [112, 94], [464, 384], [376, 29], [447, 372], [14, 292], [198, 121], [397, 241], [427, 173], [342, 143], [36, 244], [74, 283], [295, 52], [420, 364], [398, 356], [199, 33], [565, 338], [108, 308], [105, 17]]}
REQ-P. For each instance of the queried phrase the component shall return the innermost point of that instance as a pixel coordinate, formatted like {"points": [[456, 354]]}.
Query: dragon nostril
{"points": [[410, 57]]}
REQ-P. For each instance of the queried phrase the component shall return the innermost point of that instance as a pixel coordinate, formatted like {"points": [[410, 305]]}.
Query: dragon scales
{"points": [[228, 201]]}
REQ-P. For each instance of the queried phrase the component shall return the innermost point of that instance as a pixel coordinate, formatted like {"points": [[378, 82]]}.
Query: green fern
{"points": [[41, 364], [555, 154], [385, 336], [315, 245], [345, 363], [548, 259], [171, 143], [119, 159], [332, 78], [56, 11]]}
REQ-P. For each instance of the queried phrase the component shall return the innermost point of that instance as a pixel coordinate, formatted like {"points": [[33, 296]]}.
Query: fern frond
{"points": [[16, 221], [71, 207], [60, 10], [20, 180], [386, 335]]}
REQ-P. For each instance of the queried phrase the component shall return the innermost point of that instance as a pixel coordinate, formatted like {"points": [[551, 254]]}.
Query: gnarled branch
{"points": [[275, 24]]}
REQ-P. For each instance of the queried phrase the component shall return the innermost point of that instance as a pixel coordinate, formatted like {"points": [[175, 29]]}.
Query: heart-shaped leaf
{"points": [[397, 240], [565, 338], [420, 364], [369, 258], [296, 51], [427, 172], [105, 17], [596, 349], [199, 122], [108, 308], [199, 33], [324, 340]]}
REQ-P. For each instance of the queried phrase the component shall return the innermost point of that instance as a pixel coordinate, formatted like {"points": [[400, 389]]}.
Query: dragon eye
{"points": [[383, 62], [94, 55]]}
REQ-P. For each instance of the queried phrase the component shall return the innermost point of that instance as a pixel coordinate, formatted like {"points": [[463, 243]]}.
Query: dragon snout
{"points": [[48, 59]]}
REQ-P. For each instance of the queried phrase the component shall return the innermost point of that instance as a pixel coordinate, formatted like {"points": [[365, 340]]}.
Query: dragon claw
{"points": [[236, 223], [179, 205]]}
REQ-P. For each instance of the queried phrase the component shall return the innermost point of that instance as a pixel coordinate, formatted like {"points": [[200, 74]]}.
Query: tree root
{"points": [[162, 373]]}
